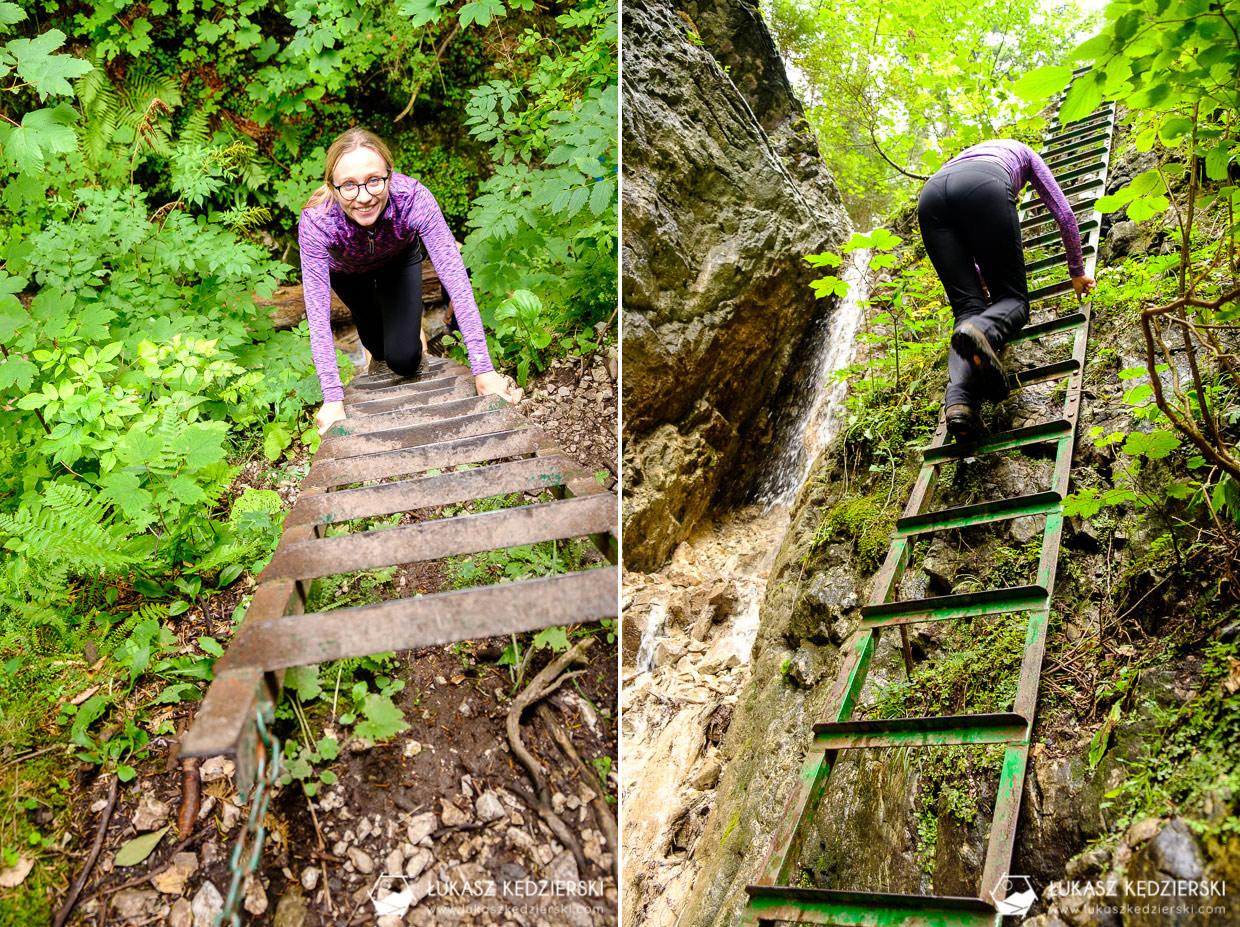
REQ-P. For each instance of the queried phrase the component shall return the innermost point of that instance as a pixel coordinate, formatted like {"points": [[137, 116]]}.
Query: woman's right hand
{"points": [[1082, 285], [328, 415]]}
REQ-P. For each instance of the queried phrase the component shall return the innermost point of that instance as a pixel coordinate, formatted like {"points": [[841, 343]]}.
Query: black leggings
{"points": [[386, 304], [967, 213]]}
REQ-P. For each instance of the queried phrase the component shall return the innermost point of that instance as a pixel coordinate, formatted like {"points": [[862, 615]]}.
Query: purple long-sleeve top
{"points": [[1024, 165], [331, 241]]}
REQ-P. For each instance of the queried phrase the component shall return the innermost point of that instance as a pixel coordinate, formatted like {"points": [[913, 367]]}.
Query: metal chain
{"points": [[264, 785]]}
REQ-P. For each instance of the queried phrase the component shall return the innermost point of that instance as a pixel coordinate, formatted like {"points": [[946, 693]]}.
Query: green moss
{"points": [[735, 819], [866, 520]]}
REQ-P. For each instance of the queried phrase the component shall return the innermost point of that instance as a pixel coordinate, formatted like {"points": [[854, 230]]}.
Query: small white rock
{"points": [[207, 905], [151, 813], [418, 862], [421, 827], [488, 807], [255, 895], [310, 878], [361, 859]]}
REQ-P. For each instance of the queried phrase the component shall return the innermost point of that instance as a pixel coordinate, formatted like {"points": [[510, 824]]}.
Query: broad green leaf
{"points": [[139, 848], [17, 371], [304, 680], [481, 12], [38, 64], [554, 638], [11, 13], [1155, 445], [42, 132], [211, 645], [826, 259], [383, 718], [1083, 98], [1043, 82]]}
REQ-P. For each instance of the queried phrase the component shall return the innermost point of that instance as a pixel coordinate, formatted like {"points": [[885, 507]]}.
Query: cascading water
{"points": [[810, 420]]}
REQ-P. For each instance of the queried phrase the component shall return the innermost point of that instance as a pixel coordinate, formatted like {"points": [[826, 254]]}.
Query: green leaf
{"points": [[48, 72], [481, 12], [42, 132], [383, 718], [178, 608], [1156, 445], [1042, 82], [139, 848], [17, 371], [421, 12], [826, 259], [1083, 98], [212, 646], [11, 13], [304, 680], [276, 439], [88, 713], [327, 777], [555, 638], [229, 574], [1217, 159], [602, 195]]}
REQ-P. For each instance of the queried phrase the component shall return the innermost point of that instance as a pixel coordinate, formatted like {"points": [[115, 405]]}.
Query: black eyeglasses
{"points": [[374, 186]]}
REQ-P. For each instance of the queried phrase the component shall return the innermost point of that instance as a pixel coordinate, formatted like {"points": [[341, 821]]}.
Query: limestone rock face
{"points": [[724, 195]]}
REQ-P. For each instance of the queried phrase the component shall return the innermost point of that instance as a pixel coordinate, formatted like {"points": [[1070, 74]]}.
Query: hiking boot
{"points": [[963, 423], [970, 343], [378, 367]]}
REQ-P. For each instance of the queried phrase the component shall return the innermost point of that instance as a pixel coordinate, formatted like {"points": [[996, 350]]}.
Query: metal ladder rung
{"points": [[867, 909], [530, 474], [447, 537], [1087, 128], [1038, 240], [1049, 327], [1042, 374], [1004, 441], [1061, 257], [1050, 290], [936, 731], [409, 460], [1097, 167], [1104, 109], [424, 621], [1072, 191], [960, 605], [1099, 156], [1084, 206], [979, 513], [403, 436], [1075, 149]]}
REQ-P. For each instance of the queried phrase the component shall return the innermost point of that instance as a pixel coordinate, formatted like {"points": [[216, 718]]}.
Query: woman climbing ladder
{"points": [[971, 229], [361, 234]]}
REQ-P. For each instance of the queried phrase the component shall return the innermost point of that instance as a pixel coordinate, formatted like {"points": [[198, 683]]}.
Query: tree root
{"points": [[550, 678], [602, 811]]}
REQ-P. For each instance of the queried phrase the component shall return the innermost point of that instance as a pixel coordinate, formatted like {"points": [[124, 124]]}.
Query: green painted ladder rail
{"points": [[1078, 154], [396, 435]]}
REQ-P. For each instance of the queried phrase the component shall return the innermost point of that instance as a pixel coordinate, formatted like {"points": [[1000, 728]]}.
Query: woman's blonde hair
{"points": [[349, 140]]}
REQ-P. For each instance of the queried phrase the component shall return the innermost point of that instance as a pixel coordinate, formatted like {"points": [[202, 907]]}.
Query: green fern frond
{"points": [[71, 528]]}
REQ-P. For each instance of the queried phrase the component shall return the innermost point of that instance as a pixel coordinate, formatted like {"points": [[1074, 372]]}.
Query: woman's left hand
{"points": [[493, 383]]}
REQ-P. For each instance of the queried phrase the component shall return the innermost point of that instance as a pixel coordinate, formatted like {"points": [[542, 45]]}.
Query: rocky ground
{"points": [[688, 630], [433, 827]]}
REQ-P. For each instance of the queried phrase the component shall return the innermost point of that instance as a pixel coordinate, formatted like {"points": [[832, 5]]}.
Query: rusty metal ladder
{"points": [[395, 429], [1078, 154]]}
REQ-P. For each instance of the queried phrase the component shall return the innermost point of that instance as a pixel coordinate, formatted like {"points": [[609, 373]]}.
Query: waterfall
{"points": [[811, 417]]}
